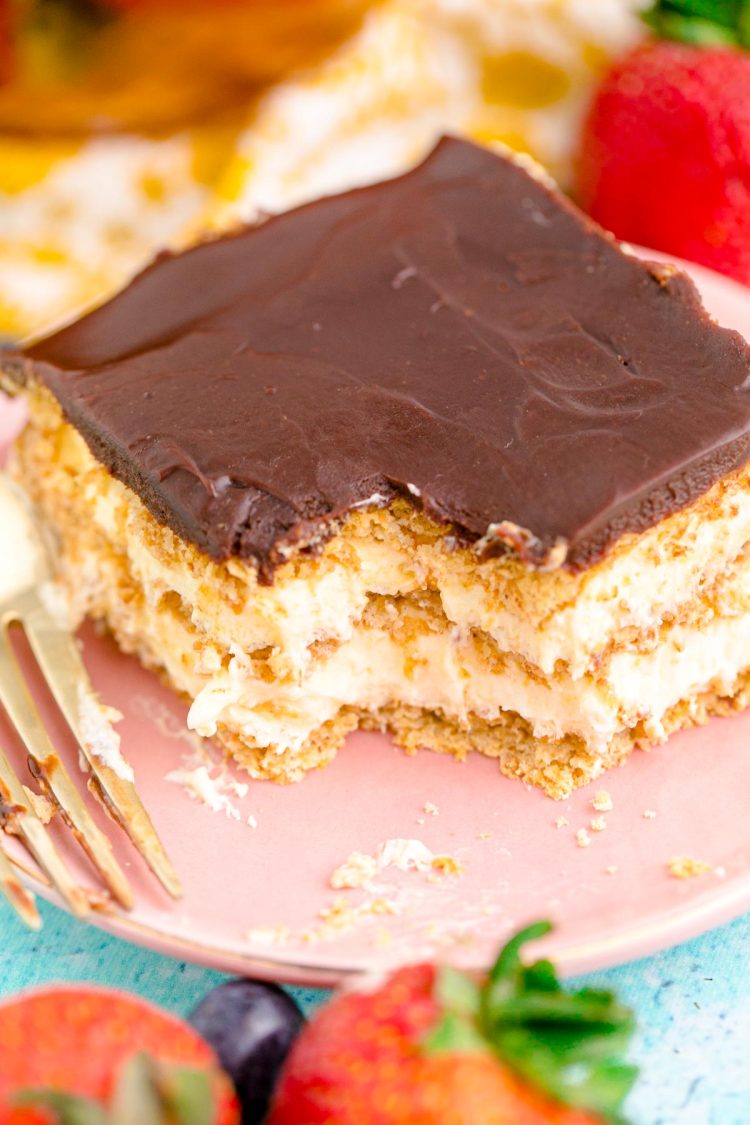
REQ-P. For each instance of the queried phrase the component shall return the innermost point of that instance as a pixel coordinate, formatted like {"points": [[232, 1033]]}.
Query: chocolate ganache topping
{"points": [[461, 335]]}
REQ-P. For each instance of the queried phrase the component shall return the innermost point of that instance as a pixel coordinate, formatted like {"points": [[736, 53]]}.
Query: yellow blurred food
{"points": [[81, 66]]}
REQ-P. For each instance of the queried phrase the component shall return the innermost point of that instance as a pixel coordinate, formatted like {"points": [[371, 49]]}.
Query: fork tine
{"points": [[21, 820], [54, 777], [16, 894], [58, 657]]}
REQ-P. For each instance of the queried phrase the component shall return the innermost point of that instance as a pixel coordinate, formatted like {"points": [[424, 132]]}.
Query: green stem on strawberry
{"points": [[706, 23], [568, 1044], [146, 1091], [69, 1109]]}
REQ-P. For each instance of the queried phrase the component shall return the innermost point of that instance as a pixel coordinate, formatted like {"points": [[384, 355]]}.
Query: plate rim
{"points": [[619, 946]]}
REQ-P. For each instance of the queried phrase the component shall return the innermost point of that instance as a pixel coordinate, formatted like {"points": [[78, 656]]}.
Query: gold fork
{"points": [[26, 600]]}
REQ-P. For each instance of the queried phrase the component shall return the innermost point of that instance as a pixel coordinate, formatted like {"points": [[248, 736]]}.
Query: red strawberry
{"points": [[6, 40], [665, 159], [65, 1047], [27, 1115], [431, 1047]]}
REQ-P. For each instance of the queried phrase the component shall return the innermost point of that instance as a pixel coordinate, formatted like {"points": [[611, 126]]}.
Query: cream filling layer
{"points": [[644, 580], [445, 672], [437, 670]]}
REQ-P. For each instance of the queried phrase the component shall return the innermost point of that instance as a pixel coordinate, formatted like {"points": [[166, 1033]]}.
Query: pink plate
{"points": [[254, 894]]}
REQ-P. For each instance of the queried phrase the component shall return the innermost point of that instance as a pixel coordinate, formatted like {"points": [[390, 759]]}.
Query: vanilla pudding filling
{"points": [[369, 672]]}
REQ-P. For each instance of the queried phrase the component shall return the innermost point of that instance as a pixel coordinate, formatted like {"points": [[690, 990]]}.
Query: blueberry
{"points": [[251, 1026]]}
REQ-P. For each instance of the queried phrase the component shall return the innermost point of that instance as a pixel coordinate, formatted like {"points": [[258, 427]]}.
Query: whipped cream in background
{"points": [[516, 72]]}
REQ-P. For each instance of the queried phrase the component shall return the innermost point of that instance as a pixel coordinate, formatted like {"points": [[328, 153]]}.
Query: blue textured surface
{"points": [[693, 1004]]}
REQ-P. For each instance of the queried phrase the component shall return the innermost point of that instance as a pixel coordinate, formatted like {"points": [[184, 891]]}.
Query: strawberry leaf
{"points": [[705, 23], [508, 962], [565, 1043], [136, 1096], [187, 1094], [456, 992], [717, 11], [542, 976], [459, 1000], [69, 1109], [151, 1092], [455, 1033], [146, 1092]]}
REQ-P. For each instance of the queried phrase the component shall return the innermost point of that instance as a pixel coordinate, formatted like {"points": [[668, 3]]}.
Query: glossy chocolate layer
{"points": [[461, 335]]}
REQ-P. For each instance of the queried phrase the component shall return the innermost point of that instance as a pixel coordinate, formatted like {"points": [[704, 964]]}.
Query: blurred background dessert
{"points": [[127, 125], [135, 65], [117, 118], [516, 72]]}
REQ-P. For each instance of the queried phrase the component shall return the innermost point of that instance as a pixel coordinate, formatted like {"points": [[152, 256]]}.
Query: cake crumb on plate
{"points": [[684, 867], [447, 865], [201, 786], [358, 870], [404, 854]]}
